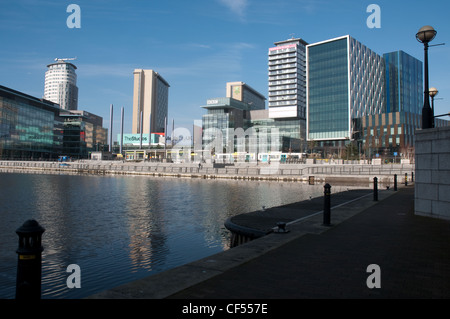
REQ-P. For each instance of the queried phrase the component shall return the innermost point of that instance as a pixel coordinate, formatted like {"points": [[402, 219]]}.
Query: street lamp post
{"points": [[425, 35], [433, 92]]}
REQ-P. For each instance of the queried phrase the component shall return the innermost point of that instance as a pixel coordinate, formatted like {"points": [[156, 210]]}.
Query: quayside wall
{"points": [[311, 173]]}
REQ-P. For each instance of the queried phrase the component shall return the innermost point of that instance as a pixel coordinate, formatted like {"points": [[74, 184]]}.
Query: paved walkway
{"points": [[316, 261], [413, 253]]}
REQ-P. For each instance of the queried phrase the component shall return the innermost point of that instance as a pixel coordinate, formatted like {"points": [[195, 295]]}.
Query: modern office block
{"points": [[61, 84], [83, 133], [151, 99], [30, 128], [345, 81], [224, 116], [404, 83]]}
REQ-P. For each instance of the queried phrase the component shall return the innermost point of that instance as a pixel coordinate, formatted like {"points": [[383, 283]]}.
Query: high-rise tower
{"points": [[151, 99], [287, 79], [61, 84], [345, 81]]}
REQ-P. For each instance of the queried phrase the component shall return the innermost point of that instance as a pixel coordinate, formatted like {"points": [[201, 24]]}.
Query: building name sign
{"points": [[287, 46], [209, 102], [134, 139]]}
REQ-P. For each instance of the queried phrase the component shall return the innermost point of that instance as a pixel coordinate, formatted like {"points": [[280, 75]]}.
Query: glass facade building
{"points": [[344, 82], [355, 96], [224, 116], [283, 135], [232, 126], [404, 83], [30, 128], [83, 134], [37, 129]]}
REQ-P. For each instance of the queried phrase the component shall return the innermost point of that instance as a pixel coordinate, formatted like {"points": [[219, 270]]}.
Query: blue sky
{"points": [[198, 45]]}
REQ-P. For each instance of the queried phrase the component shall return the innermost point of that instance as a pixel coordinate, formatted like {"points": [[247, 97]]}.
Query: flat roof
{"points": [[248, 87], [226, 102], [60, 62], [292, 40], [43, 103]]}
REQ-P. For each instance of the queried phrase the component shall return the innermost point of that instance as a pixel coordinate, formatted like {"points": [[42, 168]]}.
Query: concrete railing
{"points": [[276, 170]]}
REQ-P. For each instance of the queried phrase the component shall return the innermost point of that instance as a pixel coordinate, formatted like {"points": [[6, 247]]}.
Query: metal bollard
{"points": [[406, 179], [412, 176], [29, 265], [327, 204], [395, 182], [375, 189]]}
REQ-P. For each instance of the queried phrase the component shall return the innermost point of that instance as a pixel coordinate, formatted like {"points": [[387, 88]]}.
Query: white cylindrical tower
{"points": [[61, 84]]}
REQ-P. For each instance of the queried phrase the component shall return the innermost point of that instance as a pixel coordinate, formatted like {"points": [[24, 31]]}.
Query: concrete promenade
{"points": [[328, 173], [317, 261]]}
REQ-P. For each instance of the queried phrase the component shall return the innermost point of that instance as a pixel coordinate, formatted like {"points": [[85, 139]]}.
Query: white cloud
{"points": [[236, 6]]}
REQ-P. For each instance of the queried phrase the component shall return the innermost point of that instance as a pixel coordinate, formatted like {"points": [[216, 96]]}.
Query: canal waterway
{"points": [[121, 228]]}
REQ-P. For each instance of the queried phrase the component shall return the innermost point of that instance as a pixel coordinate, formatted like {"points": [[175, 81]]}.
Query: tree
{"points": [[350, 152]]}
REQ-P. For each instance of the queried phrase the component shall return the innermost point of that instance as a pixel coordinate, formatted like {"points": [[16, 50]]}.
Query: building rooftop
{"points": [[291, 40], [226, 102]]}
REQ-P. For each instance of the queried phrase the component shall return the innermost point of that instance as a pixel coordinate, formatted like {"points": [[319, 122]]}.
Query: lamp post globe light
{"points": [[432, 92], [425, 35]]}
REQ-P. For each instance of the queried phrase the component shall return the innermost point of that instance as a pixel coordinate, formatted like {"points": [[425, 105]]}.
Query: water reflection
{"points": [[121, 228]]}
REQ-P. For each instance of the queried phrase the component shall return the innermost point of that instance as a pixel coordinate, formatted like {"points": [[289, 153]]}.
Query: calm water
{"points": [[121, 228]]}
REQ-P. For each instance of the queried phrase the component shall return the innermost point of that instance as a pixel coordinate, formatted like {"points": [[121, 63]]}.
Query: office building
{"points": [[225, 115], [151, 99], [83, 133], [61, 84], [235, 126], [404, 83], [391, 133], [228, 117], [30, 128], [283, 135], [37, 129], [358, 99], [287, 79], [243, 92], [345, 81]]}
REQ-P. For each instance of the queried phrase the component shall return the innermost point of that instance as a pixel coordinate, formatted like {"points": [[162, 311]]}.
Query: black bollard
{"points": [[28, 283], [395, 182], [406, 179], [412, 176], [375, 189], [327, 204]]}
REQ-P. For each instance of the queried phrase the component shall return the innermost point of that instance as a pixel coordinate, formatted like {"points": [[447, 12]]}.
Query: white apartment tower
{"points": [[287, 79], [61, 84]]}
